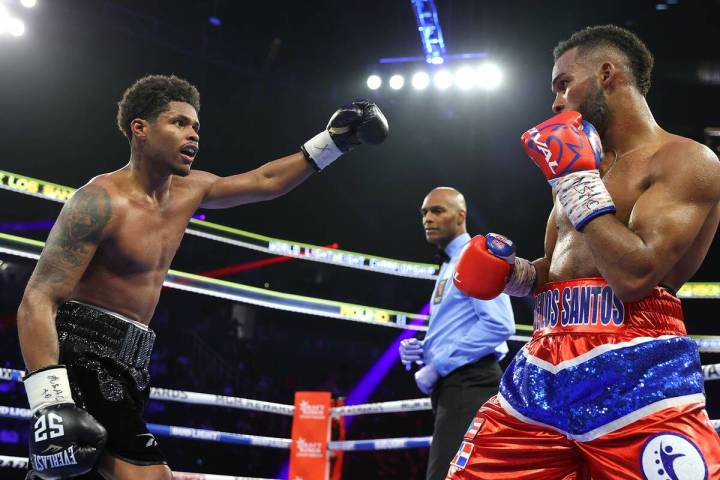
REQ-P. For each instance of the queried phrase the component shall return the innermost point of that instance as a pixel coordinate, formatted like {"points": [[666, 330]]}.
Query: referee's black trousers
{"points": [[455, 400]]}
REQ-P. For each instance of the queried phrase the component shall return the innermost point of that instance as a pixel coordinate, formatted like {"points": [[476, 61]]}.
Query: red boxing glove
{"points": [[482, 273], [563, 144], [568, 151]]}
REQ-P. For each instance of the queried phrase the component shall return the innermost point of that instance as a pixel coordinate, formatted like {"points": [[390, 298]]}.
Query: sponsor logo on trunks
{"points": [[55, 460], [474, 428], [308, 449], [671, 456], [462, 456], [310, 411], [578, 305]]}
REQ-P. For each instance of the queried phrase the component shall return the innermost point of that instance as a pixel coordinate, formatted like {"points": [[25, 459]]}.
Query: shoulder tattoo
{"points": [[78, 228]]}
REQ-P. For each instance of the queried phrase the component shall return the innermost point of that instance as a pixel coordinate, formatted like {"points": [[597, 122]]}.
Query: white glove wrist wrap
{"points": [[322, 150], [522, 278], [583, 196], [48, 386]]}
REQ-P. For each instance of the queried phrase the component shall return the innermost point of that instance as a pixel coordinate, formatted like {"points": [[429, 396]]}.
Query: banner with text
{"points": [[310, 435]]}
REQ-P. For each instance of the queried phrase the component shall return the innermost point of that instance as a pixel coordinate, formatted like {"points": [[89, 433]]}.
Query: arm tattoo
{"points": [[78, 228]]}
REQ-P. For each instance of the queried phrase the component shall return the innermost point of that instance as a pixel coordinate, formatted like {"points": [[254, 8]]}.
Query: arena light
{"points": [[16, 27], [4, 17], [374, 82], [420, 81], [443, 80], [466, 78], [28, 3], [397, 82], [489, 76]]}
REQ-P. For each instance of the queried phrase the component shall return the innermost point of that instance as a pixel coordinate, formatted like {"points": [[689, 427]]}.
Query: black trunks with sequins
{"points": [[107, 359]]}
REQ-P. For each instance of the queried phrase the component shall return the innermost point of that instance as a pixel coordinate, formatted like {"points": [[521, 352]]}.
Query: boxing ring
{"points": [[28, 248]]}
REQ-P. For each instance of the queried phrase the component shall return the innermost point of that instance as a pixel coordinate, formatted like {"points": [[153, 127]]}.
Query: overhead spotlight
{"points": [[443, 80], [28, 3], [489, 76], [397, 82], [374, 82], [16, 27], [420, 81], [437, 60], [4, 20], [465, 78]]}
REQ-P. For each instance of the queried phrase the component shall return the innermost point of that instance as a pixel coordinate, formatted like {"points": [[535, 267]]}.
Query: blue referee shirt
{"points": [[463, 329]]}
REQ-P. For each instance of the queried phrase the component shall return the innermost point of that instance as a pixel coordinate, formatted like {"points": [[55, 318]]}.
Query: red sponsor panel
{"points": [[310, 436]]}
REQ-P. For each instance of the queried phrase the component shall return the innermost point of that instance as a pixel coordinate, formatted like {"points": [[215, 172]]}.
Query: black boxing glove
{"points": [[360, 122], [65, 441]]}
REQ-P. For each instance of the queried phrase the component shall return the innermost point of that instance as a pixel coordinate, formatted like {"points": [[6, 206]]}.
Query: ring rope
{"points": [[60, 193], [710, 372], [7, 461], [250, 440], [29, 248], [380, 444], [412, 405], [180, 432]]}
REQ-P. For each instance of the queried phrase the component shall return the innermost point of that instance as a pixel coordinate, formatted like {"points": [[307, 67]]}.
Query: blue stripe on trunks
{"points": [[587, 396]]}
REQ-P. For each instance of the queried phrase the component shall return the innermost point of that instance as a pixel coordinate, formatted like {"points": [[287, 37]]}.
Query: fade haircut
{"points": [[149, 97], [639, 59]]}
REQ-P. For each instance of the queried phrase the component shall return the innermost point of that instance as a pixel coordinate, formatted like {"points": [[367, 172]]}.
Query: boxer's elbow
{"points": [[631, 288]]}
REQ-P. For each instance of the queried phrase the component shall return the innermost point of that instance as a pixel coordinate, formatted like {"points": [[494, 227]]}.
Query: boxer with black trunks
{"points": [[83, 321], [609, 386]]}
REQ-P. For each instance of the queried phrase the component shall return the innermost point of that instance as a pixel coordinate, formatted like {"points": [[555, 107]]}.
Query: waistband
{"points": [[90, 329], [589, 305]]}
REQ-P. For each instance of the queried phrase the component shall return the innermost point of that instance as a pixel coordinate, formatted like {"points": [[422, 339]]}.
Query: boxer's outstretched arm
{"points": [[266, 182], [664, 222], [70, 246]]}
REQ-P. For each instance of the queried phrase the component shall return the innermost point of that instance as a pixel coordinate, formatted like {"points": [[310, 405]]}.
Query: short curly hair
{"points": [[638, 56], [149, 96]]}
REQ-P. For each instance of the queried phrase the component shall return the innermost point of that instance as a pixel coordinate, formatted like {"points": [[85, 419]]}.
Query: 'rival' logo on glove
{"points": [[542, 147]]}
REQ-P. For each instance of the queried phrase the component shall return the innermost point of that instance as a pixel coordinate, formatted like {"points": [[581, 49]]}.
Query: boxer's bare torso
{"points": [[138, 237], [639, 182]]}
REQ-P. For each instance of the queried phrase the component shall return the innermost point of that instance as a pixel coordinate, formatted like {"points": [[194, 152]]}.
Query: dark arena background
{"points": [[270, 74]]}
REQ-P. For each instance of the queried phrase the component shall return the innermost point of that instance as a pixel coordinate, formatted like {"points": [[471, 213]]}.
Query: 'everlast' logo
{"points": [[55, 460], [581, 305]]}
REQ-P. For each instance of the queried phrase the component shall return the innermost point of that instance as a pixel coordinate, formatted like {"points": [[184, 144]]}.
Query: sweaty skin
{"points": [[114, 239], [666, 189]]}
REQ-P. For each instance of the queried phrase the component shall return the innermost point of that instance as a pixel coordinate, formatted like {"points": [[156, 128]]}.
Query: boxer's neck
{"points": [[630, 123]]}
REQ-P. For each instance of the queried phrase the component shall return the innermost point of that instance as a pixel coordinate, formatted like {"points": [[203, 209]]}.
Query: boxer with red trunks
{"points": [[610, 385]]}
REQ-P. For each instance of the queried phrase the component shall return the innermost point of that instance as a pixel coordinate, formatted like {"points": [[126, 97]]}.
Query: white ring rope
{"points": [[194, 398], [380, 444], [7, 461], [233, 236], [412, 405]]}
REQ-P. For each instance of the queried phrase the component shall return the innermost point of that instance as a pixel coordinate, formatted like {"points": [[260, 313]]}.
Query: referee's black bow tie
{"points": [[441, 256]]}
